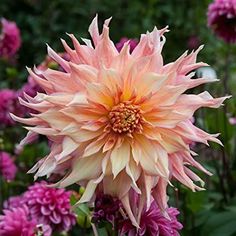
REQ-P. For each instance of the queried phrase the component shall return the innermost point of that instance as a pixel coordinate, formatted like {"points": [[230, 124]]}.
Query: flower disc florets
{"points": [[125, 118]]}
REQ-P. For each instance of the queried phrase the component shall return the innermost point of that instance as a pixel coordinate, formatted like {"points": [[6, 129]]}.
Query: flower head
{"points": [[49, 206], [13, 202], [132, 43], [16, 222], [10, 39], [7, 167], [106, 209], [153, 223], [222, 19], [120, 121], [9, 103]]}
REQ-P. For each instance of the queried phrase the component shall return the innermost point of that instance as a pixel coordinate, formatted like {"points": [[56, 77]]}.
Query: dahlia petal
{"points": [[63, 63], [27, 121], [68, 146], [88, 165], [120, 158], [83, 73], [89, 191], [94, 147], [85, 54], [126, 205], [58, 78], [42, 130], [93, 30], [44, 84], [160, 195]]}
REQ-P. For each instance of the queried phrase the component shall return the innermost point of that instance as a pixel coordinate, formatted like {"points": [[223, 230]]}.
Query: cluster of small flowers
{"points": [[39, 208]]}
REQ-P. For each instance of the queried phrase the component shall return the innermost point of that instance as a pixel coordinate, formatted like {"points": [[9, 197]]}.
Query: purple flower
{"points": [[7, 105], [153, 223], [7, 167], [132, 43], [10, 39], [106, 209], [49, 206], [222, 19], [13, 202], [16, 222]]}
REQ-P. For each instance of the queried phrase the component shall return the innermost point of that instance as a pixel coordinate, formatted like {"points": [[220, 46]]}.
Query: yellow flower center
{"points": [[125, 118]]}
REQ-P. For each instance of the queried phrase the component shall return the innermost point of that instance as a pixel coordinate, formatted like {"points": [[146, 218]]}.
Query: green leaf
{"points": [[83, 215], [220, 224]]}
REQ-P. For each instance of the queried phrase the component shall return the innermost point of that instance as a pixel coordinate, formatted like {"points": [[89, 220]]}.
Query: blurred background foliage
{"points": [[210, 212]]}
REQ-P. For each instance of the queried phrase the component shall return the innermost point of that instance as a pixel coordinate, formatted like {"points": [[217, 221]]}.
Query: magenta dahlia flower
{"points": [[132, 43], [13, 202], [222, 19], [16, 222], [49, 206], [7, 167], [106, 209], [120, 121], [9, 104], [153, 223], [10, 39]]}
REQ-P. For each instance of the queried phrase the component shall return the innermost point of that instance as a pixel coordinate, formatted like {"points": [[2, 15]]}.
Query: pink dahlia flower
{"points": [[15, 222], [7, 167], [13, 202], [132, 43], [10, 39], [8, 103], [222, 19], [49, 206], [118, 120], [153, 223]]}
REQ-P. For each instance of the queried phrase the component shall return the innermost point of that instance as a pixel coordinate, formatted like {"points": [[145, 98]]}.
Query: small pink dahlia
{"points": [[9, 104], [49, 206], [10, 39], [132, 43], [222, 19], [120, 121], [153, 223], [13, 202], [7, 167], [16, 222]]}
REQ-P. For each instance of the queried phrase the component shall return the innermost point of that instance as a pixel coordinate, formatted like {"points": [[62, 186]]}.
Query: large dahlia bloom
{"points": [[119, 120], [10, 39], [222, 19], [49, 206]]}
